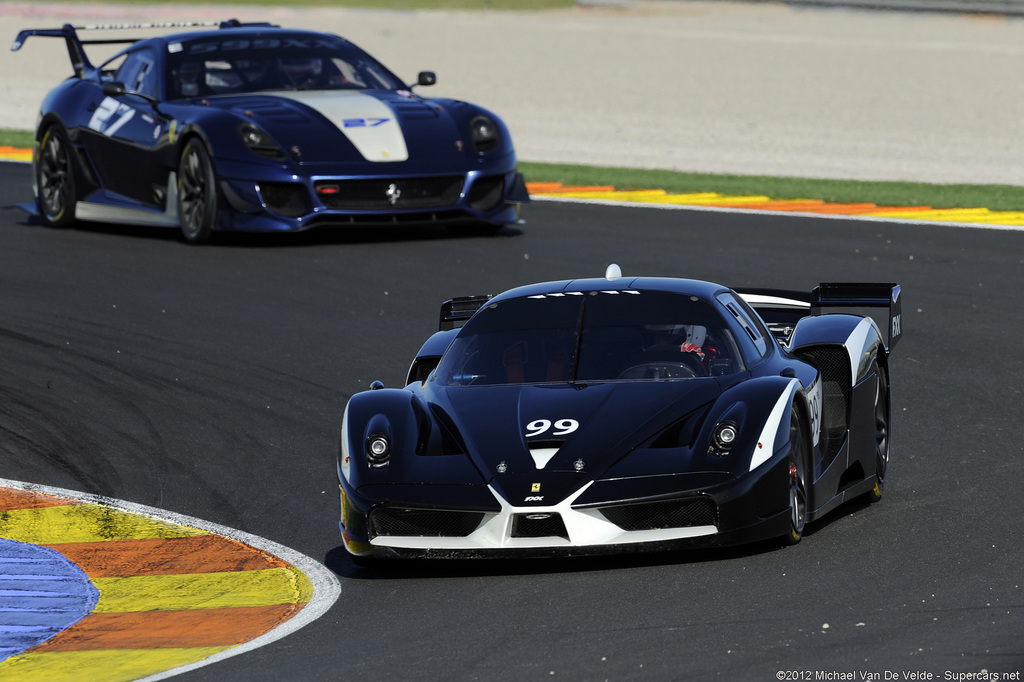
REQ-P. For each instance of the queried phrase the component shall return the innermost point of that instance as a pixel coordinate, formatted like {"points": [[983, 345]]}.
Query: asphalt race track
{"points": [[210, 382]]}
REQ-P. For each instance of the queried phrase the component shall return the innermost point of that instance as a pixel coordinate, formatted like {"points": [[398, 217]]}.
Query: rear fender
{"points": [[859, 336]]}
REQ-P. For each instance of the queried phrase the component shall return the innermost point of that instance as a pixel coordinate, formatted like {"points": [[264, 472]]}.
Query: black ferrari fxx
{"points": [[618, 414]]}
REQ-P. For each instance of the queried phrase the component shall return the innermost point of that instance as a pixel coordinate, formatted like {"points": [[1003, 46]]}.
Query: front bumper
{"points": [[733, 511], [297, 203]]}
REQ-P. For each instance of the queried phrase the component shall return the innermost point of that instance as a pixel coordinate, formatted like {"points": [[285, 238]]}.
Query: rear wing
{"points": [[782, 309], [862, 295], [457, 310], [76, 50]]}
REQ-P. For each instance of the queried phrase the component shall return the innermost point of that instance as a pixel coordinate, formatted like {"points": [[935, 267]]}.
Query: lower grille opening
{"points": [[694, 511], [389, 194], [486, 193], [539, 525], [423, 522], [285, 198]]}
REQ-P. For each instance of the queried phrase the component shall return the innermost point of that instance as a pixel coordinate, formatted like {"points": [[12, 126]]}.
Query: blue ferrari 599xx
{"points": [[622, 414], [253, 127]]}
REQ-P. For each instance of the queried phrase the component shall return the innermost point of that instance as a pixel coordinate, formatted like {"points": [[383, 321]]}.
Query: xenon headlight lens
{"points": [[378, 450], [483, 131], [723, 437]]}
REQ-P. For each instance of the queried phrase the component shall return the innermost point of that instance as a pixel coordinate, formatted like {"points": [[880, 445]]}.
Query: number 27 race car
{"points": [[253, 127], [622, 414]]}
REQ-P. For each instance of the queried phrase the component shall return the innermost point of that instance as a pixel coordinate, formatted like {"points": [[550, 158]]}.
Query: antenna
{"points": [[613, 273]]}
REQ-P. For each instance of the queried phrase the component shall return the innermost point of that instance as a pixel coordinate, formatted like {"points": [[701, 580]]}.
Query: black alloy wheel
{"points": [[797, 479], [198, 208], [881, 435], [55, 178]]}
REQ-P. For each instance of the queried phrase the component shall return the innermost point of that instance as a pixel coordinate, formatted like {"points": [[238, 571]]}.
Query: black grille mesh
{"points": [[538, 526], [486, 193], [423, 522], [699, 511], [377, 194], [285, 198]]}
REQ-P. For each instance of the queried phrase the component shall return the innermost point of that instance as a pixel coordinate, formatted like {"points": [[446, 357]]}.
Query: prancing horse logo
{"points": [[393, 194]]}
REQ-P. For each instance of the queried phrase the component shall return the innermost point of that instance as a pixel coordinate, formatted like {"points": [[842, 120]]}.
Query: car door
{"points": [[122, 132]]}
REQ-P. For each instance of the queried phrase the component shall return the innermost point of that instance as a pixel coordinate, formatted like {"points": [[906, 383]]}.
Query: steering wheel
{"points": [[666, 369]]}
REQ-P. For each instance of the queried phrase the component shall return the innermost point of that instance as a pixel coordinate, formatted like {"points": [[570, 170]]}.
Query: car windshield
{"points": [[214, 65], [591, 337]]}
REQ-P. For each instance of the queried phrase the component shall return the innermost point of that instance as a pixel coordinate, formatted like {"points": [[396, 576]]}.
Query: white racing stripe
{"points": [[369, 124]]}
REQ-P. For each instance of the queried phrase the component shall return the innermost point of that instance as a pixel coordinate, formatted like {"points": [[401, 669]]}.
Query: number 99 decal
{"points": [[561, 427]]}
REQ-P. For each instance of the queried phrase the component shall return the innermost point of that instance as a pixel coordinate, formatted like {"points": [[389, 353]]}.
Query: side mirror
{"points": [[116, 89], [426, 78], [113, 89]]}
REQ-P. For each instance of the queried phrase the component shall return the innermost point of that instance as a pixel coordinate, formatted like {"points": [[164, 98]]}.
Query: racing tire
{"points": [[797, 480], [198, 205], [882, 416], [55, 178]]}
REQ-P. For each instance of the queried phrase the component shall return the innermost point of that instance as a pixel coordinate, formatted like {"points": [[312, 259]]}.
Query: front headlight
{"points": [[378, 450], [259, 143], [483, 131], [723, 437]]}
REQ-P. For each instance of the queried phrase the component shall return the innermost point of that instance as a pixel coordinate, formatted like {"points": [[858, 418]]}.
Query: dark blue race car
{"points": [[618, 414], [253, 127]]}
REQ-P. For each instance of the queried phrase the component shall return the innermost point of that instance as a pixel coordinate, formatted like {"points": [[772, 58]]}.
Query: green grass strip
{"points": [[16, 138]]}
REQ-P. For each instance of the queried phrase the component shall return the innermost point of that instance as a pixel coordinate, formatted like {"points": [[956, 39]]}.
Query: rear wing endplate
{"points": [[862, 295], [459, 309]]}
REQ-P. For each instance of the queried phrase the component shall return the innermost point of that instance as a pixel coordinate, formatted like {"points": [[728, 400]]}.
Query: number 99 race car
{"points": [[253, 127], [622, 414]]}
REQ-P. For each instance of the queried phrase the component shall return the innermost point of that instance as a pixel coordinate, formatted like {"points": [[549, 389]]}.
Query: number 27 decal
{"points": [[558, 428], [103, 119]]}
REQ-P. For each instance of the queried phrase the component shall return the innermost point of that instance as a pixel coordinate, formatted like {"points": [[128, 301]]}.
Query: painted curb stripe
{"points": [[202, 591], [41, 594], [603, 193], [85, 523], [164, 629], [174, 593], [197, 554], [109, 666], [13, 154]]}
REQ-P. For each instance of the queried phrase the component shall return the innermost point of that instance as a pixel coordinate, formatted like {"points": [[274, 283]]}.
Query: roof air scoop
{"points": [[613, 273]]}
